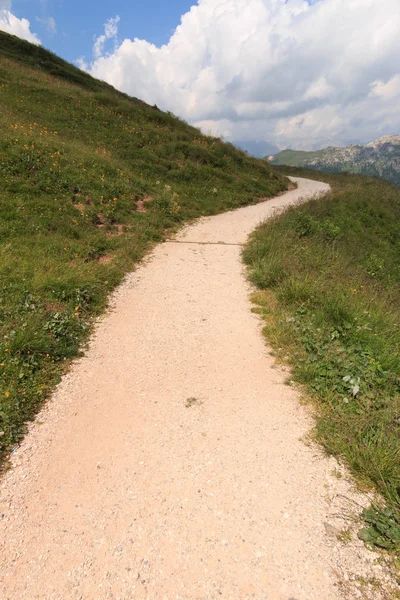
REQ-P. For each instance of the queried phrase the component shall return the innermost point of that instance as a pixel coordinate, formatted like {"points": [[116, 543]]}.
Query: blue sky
{"points": [[78, 21], [291, 73]]}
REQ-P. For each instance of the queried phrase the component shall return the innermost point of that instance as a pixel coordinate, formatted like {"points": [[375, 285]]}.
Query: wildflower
{"points": [[6, 394]]}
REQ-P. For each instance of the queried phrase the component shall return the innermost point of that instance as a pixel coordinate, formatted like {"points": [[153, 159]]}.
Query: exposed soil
{"points": [[141, 204], [170, 463]]}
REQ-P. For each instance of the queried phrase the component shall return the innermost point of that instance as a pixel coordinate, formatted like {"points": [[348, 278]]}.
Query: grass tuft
{"points": [[329, 278]]}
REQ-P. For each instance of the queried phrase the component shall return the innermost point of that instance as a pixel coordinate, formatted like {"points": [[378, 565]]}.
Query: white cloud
{"points": [[49, 23], [12, 24], [319, 89], [81, 63], [388, 90], [294, 72], [110, 32]]}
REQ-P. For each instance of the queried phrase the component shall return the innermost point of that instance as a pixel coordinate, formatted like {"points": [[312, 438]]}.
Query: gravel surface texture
{"points": [[170, 462]]}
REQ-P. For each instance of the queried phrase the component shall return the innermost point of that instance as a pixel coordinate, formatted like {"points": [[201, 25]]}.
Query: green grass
{"points": [[382, 162], [295, 158], [329, 279], [76, 159]]}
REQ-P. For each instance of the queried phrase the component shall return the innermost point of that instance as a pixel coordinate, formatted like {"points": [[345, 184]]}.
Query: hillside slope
{"points": [[90, 179], [380, 158]]}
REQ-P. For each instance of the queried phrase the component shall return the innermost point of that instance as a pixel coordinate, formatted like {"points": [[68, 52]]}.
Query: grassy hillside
{"points": [[380, 158], [90, 179], [329, 280], [297, 158]]}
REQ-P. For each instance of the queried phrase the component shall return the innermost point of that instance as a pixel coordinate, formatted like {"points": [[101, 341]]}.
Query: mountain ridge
{"points": [[379, 158]]}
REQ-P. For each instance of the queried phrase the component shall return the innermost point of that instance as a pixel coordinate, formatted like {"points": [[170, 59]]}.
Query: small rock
{"points": [[331, 530]]}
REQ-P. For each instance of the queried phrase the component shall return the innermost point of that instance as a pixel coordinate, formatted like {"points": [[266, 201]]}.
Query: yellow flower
{"points": [[6, 394]]}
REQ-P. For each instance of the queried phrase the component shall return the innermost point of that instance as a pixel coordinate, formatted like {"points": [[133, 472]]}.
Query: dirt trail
{"points": [[125, 489]]}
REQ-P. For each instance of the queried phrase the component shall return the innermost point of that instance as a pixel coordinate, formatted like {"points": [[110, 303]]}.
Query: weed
{"points": [[344, 536], [383, 530], [336, 473]]}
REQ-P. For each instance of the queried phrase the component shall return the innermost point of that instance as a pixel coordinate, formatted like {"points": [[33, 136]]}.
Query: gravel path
{"points": [[169, 462]]}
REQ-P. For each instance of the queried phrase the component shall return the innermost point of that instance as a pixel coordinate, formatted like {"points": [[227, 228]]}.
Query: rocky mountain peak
{"points": [[385, 139]]}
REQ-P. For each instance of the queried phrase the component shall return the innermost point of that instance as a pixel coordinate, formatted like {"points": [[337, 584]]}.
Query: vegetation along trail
{"points": [[169, 462]]}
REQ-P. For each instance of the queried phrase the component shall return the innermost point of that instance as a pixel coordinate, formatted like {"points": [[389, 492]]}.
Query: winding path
{"points": [[168, 464]]}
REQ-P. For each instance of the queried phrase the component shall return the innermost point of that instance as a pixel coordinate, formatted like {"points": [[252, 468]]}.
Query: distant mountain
{"points": [[380, 158], [256, 148]]}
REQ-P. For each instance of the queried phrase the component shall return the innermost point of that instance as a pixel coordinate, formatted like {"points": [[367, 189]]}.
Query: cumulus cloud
{"points": [[110, 32], [12, 24], [388, 90], [298, 73]]}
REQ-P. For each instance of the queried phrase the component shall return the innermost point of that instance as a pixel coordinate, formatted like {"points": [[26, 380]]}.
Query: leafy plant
{"points": [[167, 203], [383, 530], [375, 266]]}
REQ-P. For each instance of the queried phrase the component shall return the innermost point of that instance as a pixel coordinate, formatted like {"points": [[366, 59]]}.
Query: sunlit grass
{"points": [[76, 159], [329, 272]]}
